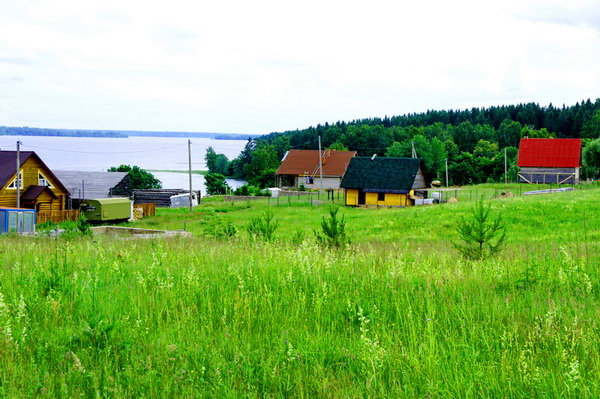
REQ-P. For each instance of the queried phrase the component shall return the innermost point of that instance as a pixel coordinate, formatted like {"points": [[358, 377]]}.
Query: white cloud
{"points": [[256, 67]]}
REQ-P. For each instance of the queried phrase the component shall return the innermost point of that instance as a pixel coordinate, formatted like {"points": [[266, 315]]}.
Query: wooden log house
{"points": [[373, 181], [40, 189]]}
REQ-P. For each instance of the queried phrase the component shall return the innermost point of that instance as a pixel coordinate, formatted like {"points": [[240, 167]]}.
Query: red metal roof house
{"points": [[549, 161], [302, 167]]}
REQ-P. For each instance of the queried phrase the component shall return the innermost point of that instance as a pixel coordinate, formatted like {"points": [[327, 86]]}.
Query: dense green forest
{"points": [[473, 141]]}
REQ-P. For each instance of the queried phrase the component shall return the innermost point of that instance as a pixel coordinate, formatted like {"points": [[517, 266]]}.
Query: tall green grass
{"points": [[397, 314]]}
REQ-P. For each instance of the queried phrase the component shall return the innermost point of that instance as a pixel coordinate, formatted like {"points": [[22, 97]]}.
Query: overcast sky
{"points": [[260, 66]]}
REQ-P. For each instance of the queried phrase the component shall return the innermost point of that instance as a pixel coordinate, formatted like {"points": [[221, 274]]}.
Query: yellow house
{"points": [[383, 181], [39, 188]]}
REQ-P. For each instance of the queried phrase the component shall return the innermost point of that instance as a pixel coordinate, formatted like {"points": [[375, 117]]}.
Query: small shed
{"points": [[107, 209], [383, 181], [549, 161], [17, 220]]}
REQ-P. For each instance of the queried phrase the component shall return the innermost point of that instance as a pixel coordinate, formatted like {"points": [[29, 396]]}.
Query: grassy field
{"points": [[396, 314]]}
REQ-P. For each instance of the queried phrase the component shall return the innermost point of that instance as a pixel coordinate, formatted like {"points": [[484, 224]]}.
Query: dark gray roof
{"points": [[8, 164], [381, 174], [96, 184], [33, 192]]}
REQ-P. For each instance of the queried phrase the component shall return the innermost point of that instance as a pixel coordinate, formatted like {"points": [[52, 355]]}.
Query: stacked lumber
{"points": [[160, 197]]}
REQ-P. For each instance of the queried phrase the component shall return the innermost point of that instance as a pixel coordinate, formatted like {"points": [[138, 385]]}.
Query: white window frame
{"points": [[13, 183], [41, 178]]}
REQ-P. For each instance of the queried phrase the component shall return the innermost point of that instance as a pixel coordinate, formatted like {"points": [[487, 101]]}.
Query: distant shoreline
{"points": [[33, 131]]}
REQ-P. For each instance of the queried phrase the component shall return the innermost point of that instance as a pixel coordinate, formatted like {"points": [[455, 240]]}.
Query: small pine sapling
{"points": [[262, 227], [333, 230], [482, 235]]}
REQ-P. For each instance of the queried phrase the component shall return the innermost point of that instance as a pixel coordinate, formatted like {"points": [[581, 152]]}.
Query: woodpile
{"points": [[159, 197]]}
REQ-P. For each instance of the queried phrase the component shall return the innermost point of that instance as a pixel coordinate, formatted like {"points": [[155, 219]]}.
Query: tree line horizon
{"points": [[472, 140]]}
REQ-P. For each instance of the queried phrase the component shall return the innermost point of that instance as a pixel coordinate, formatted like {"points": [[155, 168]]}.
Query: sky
{"points": [[261, 66]]}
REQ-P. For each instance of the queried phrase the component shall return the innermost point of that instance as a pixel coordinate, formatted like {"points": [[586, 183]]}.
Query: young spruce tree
{"points": [[481, 234]]}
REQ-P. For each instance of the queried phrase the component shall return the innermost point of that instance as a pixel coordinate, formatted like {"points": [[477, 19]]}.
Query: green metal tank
{"points": [[107, 209]]}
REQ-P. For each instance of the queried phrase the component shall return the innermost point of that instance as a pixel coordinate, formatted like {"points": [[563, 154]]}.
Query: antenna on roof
{"points": [[373, 157]]}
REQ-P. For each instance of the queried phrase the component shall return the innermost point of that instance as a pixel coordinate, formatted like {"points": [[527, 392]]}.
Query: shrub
{"points": [[229, 231], [262, 227], [247, 189], [78, 228], [482, 236], [215, 184], [302, 187], [83, 225], [136, 178], [242, 190], [333, 230]]}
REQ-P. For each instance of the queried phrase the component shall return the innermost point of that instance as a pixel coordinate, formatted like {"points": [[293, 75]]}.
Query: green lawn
{"points": [[396, 314]]}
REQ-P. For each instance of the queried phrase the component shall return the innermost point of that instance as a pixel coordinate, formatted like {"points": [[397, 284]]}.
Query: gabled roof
{"points": [[382, 174], [299, 162], [8, 166], [550, 153], [92, 185], [32, 192]]}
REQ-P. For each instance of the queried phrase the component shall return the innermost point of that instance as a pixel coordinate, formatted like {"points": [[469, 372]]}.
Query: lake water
{"points": [[158, 153]]}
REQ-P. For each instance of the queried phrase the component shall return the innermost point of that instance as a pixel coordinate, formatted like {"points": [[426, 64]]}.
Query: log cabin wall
{"points": [[30, 173]]}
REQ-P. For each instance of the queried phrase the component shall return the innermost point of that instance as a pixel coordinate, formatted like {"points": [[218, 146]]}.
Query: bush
{"points": [[262, 227], [78, 228], [246, 190], [481, 235], [215, 184], [302, 187], [136, 178], [333, 230], [83, 225], [266, 178], [229, 231], [221, 231]]}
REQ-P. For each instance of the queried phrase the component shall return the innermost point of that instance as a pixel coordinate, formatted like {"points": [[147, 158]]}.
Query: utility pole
{"points": [[505, 168], [320, 165], [190, 169], [446, 172], [18, 181]]}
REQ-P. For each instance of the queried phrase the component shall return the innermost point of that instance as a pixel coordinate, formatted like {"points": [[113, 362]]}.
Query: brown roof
{"points": [[33, 192], [300, 162]]}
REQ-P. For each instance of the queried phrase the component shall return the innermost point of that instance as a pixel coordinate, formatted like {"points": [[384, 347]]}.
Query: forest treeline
{"points": [[473, 142]]}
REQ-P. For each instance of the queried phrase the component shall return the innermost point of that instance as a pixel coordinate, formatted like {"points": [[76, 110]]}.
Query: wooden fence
{"points": [[57, 216]]}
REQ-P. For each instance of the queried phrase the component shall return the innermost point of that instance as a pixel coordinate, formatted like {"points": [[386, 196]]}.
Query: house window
{"points": [[13, 184], [310, 180], [42, 181], [380, 196]]}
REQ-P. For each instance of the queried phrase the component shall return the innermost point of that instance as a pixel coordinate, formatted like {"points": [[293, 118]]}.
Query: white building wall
{"points": [[329, 183]]}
